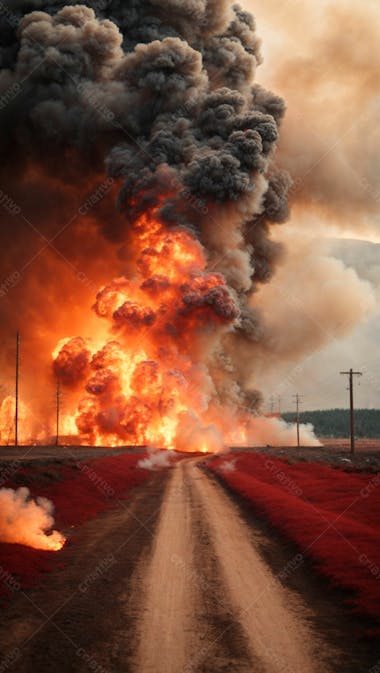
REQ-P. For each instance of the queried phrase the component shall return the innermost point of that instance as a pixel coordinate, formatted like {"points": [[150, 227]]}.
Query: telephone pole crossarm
{"points": [[353, 373]]}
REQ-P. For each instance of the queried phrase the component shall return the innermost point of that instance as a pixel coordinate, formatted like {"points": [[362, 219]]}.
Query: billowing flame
{"points": [[149, 382], [53, 542], [7, 421], [154, 381]]}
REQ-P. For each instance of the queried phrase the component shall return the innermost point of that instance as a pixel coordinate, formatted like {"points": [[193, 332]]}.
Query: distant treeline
{"points": [[336, 422]]}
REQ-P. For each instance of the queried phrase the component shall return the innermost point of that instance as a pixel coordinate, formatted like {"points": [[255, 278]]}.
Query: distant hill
{"points": [[336, 422]]}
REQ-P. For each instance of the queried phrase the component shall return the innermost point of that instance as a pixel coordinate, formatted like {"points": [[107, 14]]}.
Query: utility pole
{"points": [[58, 396], [297, 399], [16, 391], [279, 405], [351, 375]]}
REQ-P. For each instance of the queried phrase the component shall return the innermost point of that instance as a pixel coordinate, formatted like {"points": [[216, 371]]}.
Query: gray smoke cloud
{"points": [[162, 94], [323, 58]]}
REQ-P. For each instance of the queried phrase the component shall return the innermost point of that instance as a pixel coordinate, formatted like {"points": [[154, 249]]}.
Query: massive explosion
{"points": [[163, 92]]}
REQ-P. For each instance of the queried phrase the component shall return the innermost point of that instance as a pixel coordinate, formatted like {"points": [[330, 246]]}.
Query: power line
{"points": [[351, 375]]}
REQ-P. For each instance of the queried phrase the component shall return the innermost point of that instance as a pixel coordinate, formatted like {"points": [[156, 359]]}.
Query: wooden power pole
{"points": [[58, 396], [351, 375], [16, 388], [297, 399]]}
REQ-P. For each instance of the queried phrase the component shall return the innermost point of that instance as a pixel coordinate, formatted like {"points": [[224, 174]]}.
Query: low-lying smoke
{"points": [[228, 466], [276, 432], [157, 459], [28, 521]]}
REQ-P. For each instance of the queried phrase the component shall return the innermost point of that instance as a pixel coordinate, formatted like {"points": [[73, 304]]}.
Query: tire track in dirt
{"points": [[211, 603], [167, 622], [215, 614], [274, 621]]}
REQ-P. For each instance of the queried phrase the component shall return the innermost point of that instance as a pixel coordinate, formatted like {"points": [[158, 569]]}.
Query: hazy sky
{"points": [[323, 58]]}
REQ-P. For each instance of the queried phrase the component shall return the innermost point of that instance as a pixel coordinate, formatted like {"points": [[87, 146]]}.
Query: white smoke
{"points": [[157, 459], [193, 435], [265, 431], [228, 466], [26, 521]]}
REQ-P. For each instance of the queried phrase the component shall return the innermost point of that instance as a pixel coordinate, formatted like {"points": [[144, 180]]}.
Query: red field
{"points": [[331, 515], [361, 444], [79, 492]]}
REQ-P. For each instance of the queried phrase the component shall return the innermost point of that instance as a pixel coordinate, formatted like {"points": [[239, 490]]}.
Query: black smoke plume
{"points": [[159, 99]]}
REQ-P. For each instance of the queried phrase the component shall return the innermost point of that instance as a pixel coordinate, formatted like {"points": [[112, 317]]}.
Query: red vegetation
{"points": [[93, 488], [332, 516]]}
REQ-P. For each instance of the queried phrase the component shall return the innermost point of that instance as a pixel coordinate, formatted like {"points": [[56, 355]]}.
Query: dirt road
{"points": [[172, 581]]}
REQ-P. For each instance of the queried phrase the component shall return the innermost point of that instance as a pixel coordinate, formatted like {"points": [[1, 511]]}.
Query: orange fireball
{"points": [[150, 379]]}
